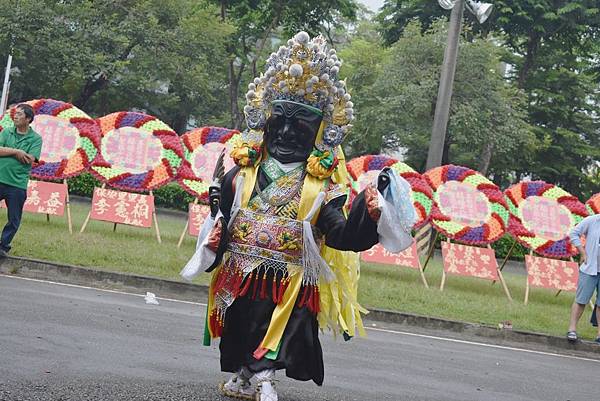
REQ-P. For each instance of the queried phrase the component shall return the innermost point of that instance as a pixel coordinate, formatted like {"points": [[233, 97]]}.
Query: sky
{"points": [[372, 4]]}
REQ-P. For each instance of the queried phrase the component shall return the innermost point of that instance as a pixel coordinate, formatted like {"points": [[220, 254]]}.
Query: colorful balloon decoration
{"points": [[468, 207], [365, 169], [542, 215], [593, 204], [71, 139], [202, 147], [139, 152]]}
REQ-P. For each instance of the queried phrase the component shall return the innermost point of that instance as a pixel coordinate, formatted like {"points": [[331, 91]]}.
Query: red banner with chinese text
{"points": [[45, 197], [378, 254], [551, 273], [122, 207], [196, 216], [464, 260]]}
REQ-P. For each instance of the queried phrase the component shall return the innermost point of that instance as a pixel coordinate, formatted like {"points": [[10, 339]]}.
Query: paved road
{"points": [[68, 343]]}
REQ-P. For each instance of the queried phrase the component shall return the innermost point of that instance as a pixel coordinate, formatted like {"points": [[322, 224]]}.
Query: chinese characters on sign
{"points": [[59, 135], [471, 261], [132, 149], [407, 258], [45, 197], [546, 218], [196, 216], [122, 207], [463, 203], [204, 158], [551, 273]]}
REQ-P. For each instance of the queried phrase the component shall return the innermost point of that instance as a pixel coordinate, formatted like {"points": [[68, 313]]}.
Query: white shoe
{"points": [[266, 392], [238, 388]]}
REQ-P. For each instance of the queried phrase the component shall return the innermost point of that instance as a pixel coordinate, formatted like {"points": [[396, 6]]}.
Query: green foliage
{"points": [[564, 107], [503, 245], [172, 196], [83, 185], [395, 15], [554, 55], [164, 57], [397, 95], [187, 62], [264, 24], [363, 58]]}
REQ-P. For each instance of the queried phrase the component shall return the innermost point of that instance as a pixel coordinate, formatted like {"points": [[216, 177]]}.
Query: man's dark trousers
{"points": [[15, 199]]}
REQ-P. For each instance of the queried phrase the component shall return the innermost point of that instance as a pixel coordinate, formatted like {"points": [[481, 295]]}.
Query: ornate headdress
{"points": [[306, 72]]}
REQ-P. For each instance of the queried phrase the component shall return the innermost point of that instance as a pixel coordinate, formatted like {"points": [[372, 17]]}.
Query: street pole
{"points": [[442, 106], [423, 235], [4, 99]]}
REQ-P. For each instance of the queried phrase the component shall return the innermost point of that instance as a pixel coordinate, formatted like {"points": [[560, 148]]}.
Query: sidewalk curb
{"points": [[68, 274]]}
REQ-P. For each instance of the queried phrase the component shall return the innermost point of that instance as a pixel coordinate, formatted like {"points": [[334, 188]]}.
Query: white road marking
{"points": [[474, 343], [100, 289], [453, 340]]}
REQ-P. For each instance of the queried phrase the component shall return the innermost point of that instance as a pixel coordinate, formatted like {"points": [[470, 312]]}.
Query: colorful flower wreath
{"points": [[195, 173], [593, 204], [366, 168], [528, 199], [75, 152], [479, 217], [167, 152]]}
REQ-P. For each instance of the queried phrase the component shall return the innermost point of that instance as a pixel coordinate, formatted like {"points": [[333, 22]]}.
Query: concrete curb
{"points": [[68, 274]]}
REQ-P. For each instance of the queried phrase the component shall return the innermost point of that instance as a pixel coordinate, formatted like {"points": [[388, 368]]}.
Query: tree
{"points": [[260, 24], [485, 109], [553, 53], [363, 57], [165, 57], [564, 107], [395, 15]]}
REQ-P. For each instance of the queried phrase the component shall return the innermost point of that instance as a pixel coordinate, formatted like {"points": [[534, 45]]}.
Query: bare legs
{"points": [[576, 312]]}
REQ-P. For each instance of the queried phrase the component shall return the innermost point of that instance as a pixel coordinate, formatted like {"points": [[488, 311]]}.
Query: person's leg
{"points": [[15, 199], [576, 312], [2, 196], [586, 285], [266, 385], [239, 385], [597, 303]]}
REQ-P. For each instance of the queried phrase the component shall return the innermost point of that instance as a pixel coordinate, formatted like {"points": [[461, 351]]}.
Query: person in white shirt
{"points": [[589, 279]]}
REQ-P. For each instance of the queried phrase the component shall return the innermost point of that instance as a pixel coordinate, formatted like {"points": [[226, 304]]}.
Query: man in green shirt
{"points": [[20, 146]]}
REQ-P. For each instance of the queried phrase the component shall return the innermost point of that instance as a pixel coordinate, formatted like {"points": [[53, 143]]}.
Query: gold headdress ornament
{"points": [[306, 72]]}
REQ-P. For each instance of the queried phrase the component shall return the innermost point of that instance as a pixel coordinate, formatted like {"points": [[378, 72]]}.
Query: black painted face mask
{"points": [[290, 132]]}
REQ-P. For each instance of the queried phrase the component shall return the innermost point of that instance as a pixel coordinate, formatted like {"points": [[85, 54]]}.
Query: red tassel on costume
{"points": [[247, 284], [317, 301], [274, 291], [215, 324], [283, 288], [304, 298], [256, 278], [309, 301], [263, 286], [313, 302]]}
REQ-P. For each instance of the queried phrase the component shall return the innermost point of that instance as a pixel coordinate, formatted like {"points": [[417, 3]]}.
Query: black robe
{"points": [[247, 319]]}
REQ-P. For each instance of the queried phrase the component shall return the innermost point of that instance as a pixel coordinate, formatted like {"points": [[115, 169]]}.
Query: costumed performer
{"points": [[281, 240]]}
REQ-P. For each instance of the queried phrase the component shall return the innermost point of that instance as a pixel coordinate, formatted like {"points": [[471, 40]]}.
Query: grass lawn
{"points": [[136, 251]]}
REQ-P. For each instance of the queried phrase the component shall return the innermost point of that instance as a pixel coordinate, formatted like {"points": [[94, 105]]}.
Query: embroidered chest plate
{"points": [[268, 237]]}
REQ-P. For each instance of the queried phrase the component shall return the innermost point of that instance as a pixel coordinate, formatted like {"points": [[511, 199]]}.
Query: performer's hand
{"points": [[383, 180], [214, 197]]}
